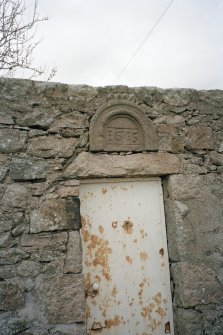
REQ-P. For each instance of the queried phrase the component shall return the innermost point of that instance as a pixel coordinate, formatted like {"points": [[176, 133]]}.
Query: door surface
{"points": [[125, 259]]}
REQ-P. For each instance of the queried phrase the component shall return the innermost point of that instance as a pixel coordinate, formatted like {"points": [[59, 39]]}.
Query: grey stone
{"points": [[216, 159], [11, 324], [188, 322], [28, 168], [38, 117], [16, 196], [50, 146], [12, 256], [184, 187], [28, 268], [5, 118], [200, 137], [73, 261], [11, 296], [7, 272], [122, 126], [6, 240], [71, 121], [18, 230], [171, 144], [212, 319], [44, 241], [63, 298], [12, 140], [4, 165], [96, 165], [195, 285], [56, 214]]}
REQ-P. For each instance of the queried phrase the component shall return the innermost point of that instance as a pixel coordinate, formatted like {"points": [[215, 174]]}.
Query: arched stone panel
{"points": [[122, 126]]}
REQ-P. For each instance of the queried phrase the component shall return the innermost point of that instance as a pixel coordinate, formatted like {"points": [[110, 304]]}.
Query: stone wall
{"points": [[44, 152]]}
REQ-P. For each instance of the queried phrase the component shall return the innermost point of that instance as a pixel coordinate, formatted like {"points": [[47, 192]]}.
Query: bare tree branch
{"points": [[17, 38]]}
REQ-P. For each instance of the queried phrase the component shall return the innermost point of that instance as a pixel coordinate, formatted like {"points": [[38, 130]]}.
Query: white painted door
{"points": [[125, 259]]}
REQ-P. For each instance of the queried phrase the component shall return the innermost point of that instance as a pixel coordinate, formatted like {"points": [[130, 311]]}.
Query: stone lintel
{"points": [[89, 165]]}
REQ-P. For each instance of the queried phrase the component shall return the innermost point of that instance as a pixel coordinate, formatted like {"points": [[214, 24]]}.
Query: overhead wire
{"points": [[143, 42]]}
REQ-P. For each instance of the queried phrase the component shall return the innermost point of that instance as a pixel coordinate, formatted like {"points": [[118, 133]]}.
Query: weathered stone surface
{"points": [[171, 144], [12, 140], [28, 268], [5, 118], [7, 272], [68, 191], [50, 146], [11, 324], [195, 285], [11, 296], [28, 168], [188, 322], [189, 222], [73, 261], [44, 241], [37, 116], [12, 256], [212, 319], [4, 165], [200, 137], [69, 123], [96, 165], [63, 298], [72, 329], [56, 214], [18, 230], [184, 187], [16, 196], [216, 159]]}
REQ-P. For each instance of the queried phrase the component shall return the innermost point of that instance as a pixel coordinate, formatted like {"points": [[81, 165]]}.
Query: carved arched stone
{"points": [[122, 126]]}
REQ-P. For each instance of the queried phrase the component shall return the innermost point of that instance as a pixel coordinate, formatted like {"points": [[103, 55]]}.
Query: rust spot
{"points": [[98, 250], [129, 259], [113, 322], [106, 275], [101, 229], [143, 256], [167, 328], [87, 284], [114, 291], [98, 278], [104, 190], [88, 312], [146, 312], [154, 324], [114, 224], [85, 227], [161, 251], [135, 240], [157, 298], [128, 226], [162, 264], [161, 312]]}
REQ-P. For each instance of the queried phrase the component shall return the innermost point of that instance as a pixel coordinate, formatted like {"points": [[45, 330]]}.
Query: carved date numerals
{"points": [[122, 136]]}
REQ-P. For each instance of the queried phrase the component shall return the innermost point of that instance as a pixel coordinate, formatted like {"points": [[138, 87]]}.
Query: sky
{"points": [[91, 41]]}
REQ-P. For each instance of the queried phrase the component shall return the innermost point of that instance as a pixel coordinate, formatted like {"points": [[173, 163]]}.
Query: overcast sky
{"points": [[90, 41]]}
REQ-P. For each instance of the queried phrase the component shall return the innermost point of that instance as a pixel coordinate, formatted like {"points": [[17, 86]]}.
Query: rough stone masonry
{"points": [[44, 153]]}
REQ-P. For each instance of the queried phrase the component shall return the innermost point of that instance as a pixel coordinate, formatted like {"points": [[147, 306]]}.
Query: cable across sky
{"points": [[143, 42]]}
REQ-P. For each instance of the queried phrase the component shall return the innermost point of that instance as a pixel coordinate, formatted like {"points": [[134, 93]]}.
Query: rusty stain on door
{"points": [[125, 260]]}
